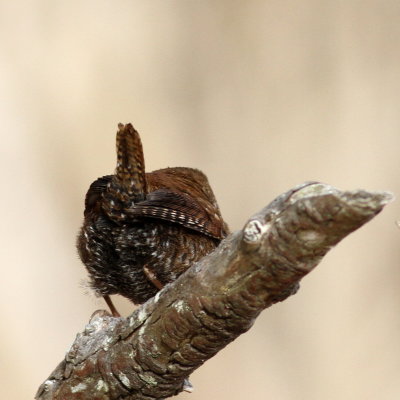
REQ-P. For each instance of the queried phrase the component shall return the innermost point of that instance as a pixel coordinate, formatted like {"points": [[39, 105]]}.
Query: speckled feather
{"points": [[163, 221]]}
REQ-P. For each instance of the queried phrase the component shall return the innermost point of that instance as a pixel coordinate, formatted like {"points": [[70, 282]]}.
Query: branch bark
{"points": [[150, 354]]}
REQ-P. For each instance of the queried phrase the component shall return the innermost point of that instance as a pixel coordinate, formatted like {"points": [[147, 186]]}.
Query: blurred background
{"points": [[260, 95]]}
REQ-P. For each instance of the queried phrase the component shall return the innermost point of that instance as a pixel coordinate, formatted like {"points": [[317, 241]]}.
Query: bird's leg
{"points": [[150, 275], [111, 306]]}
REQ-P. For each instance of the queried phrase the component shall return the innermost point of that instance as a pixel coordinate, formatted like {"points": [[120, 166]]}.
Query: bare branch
{"points": [[150, 354]]}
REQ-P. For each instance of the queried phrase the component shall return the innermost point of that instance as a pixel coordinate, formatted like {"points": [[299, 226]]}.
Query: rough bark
{"points": [[150, 354]]}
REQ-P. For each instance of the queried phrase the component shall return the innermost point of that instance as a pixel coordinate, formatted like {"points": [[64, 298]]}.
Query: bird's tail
{"points": [[128, 185]]}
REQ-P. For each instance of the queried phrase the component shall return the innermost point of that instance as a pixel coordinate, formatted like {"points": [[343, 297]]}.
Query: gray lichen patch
{"points": [[150, 380], [311, 238], [157, 297], [180, 306], [141, 315], [106, 342], [48, 384], [124, 380], [102, 386], [80, 387]]}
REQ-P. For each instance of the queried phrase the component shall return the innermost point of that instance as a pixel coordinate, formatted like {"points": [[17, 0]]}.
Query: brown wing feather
{"points": [[179, 208], [94, 194]]}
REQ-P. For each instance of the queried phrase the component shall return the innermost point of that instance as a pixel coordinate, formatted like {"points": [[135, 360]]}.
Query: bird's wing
{"points": [[182, 209]]}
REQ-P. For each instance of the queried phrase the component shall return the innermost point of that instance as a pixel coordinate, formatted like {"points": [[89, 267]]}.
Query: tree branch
{"points": [[150, 354]]}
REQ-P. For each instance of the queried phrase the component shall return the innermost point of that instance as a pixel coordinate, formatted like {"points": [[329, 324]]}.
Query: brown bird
{"points": [[142, 230]]}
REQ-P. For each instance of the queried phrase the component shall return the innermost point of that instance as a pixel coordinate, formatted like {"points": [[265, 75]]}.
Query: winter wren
{"points": [[142, 230]]}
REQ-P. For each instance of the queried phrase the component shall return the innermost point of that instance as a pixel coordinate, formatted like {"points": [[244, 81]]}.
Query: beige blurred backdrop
{"points": [[260, 95]]}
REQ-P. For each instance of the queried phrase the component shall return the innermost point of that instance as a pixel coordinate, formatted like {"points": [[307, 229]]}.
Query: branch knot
{"points": [[254, 231]]}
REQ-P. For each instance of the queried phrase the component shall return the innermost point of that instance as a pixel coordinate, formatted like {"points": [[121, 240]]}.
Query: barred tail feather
{"points": [[128, 185]]}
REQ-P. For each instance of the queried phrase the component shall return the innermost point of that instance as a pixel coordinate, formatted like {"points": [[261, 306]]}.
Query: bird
{"points": [[142, 230]]}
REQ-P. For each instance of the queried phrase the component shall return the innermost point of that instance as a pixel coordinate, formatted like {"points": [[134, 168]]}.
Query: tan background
{"points": [[261, 95]]}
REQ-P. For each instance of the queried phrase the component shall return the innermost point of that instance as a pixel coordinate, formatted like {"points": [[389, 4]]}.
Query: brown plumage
{"points": [[142, 230]]}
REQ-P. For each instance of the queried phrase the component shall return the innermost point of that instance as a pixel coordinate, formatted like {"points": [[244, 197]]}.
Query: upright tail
{"points": [[128, 185]]}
